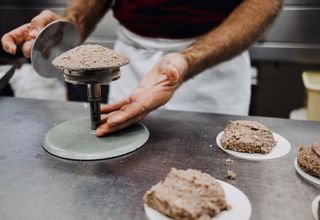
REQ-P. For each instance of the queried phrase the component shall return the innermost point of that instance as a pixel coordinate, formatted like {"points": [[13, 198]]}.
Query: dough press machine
{"points": [[75, 138]]}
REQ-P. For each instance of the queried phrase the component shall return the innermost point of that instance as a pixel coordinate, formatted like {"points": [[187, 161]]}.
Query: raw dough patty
{"points": [[187, 194], [89, 57], [248, 137], [309, 159]]}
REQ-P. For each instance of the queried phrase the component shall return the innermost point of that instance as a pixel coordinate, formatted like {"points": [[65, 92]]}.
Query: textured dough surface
{"points": [[187, 194], [248, 137], [89, 57], [309, 159]]}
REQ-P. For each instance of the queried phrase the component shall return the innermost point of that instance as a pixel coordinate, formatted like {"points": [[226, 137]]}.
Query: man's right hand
{"points": [[24, 34]]}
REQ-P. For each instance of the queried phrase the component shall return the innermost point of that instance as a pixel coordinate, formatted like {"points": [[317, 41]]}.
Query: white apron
{"points": [[224, 88]]}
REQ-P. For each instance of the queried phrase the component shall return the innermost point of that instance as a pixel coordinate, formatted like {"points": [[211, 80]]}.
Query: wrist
{"points": [[181, 63], [189, 59], [75, 19]]}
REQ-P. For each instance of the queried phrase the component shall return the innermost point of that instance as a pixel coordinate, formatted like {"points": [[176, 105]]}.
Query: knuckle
{"points": [[50, 14], [35, 20], [112, 122], [47, 12]]}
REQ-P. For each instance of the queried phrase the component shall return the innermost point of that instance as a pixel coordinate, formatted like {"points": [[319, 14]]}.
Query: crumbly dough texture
{"points": [[309, 159], [187, 194], [89, 57], [248, 137], [231, 175]]}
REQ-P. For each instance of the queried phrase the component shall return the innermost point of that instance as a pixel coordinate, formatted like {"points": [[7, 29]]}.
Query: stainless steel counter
{"points": [[37, 185]]}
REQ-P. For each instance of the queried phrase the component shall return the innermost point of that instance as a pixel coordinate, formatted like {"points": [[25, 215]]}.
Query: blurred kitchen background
{"points": [[289, 48]]}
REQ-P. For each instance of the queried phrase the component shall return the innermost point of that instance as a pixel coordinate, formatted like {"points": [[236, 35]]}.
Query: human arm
{"points": [[83, 14], [242, 27]]}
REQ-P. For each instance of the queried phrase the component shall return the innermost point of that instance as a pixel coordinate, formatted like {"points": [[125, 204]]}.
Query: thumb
{"points": [[40, 21]]}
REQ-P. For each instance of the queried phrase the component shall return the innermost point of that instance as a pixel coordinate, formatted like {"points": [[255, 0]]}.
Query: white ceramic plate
{"points": [[239, 202], [311, 179], [314, 207], [281, 149]]}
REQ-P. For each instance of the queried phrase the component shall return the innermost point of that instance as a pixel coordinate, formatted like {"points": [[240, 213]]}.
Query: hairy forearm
{"points": [[85, 14], [241, 28]]}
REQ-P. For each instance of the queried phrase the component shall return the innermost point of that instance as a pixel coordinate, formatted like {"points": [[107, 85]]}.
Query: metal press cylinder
{"points": [[94, 97]]}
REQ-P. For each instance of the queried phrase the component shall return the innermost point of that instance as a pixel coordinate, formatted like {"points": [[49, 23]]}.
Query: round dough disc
{"points": [[311, 179], [239, 202], [74, 139], [281, 149]]}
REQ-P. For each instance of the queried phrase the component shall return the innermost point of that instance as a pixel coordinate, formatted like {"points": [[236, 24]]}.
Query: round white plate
{"points": [[311, 179], [314, 207], [239, 202], [281, 149]]}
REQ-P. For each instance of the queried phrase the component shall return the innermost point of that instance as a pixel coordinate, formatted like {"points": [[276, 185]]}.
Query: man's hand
{"points": [[24, 34], [154, 90]]}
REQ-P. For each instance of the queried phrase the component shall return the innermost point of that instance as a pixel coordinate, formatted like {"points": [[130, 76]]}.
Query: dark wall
{"points": [[290, 47], [280, 88]]}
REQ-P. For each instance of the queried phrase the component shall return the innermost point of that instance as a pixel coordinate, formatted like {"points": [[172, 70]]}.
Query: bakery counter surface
{"points": [[37, 185]]}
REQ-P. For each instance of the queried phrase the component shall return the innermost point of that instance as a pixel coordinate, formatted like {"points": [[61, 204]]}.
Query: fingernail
{"points": [[98, 132], [101, 133], [11, 49]]}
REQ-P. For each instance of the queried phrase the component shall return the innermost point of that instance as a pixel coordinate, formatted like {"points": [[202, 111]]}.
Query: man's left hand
{"points": [[155, 90]]}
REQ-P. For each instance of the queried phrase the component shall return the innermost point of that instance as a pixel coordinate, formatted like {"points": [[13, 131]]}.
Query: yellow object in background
{"points": [[311, 81]]}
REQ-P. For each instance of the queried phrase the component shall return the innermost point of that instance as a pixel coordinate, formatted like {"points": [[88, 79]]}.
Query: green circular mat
{"points": [[74, 139]]}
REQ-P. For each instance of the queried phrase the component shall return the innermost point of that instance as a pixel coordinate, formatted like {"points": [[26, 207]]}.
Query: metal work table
{"points": [[37, 185]]}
